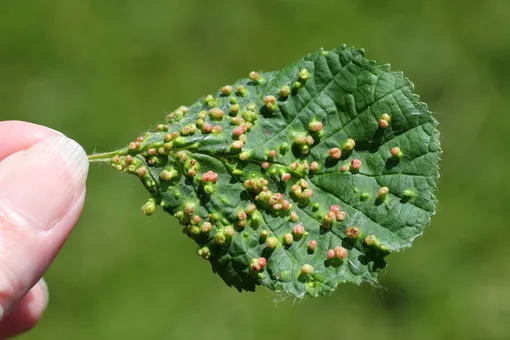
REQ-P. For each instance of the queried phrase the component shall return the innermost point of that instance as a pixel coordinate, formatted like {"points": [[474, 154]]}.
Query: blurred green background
{"points": [[103, 71]]}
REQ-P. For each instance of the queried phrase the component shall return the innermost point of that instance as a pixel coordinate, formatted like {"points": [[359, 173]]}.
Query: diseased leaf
{"points": [[296, 180]]}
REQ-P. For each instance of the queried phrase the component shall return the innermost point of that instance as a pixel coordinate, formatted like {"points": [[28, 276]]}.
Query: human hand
{"points": [[42, 190]]}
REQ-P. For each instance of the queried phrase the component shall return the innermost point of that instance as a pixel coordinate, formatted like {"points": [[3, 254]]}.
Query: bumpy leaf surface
{"points": [[296, 180]]}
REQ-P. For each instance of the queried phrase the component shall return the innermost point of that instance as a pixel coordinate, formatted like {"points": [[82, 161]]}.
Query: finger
{"points": [[27, 312], [18, 135], [42, 191]]}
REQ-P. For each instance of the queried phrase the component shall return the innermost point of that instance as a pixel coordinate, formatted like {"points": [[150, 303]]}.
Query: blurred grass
{"points": [[104, 71]]}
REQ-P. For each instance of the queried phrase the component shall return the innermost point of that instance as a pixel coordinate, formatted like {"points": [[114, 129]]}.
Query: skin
{"points": [[42, 191]]}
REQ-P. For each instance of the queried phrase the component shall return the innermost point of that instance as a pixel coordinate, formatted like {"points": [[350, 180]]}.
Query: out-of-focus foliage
{"points": [[104, 71]]}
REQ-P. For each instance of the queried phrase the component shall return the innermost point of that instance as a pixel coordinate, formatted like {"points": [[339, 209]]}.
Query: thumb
{"points": [[42, 190]]}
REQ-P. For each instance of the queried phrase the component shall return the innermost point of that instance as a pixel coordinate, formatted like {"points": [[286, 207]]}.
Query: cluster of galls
{"points": [[384, 122], [301, 191], [258, 265], [209, 179], [373, 241], [337, 253], [177, 114], [335, 153], [274, 202], [334, 214], [134, 166], [303, 142], [256, 185], [354, 166]]}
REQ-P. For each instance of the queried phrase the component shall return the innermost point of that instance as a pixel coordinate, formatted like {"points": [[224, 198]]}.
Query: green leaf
{"points": [[296, 180]]}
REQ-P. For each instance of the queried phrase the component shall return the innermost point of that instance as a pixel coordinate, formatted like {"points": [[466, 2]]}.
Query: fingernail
{"points": [[38, 186]]}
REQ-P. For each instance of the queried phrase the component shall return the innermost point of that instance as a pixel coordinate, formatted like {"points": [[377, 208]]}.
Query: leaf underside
{"points": [[300, 179]]}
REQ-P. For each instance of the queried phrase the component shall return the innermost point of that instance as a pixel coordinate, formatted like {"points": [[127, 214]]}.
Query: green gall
{"points": [[149, 208], [202, 114], [244, 156], [233, 100], [365, 196], [284, 147], [141, 172], [307, 194], [249, 116], [238, 144], [206, 227], [189, 208], [288, 239], [349, 144], [219, 238], [396, 152], [371, 240], [305, 149], [162, 127], [294, 216], [133, 146], [307, 269], [300, 139], [383, 192], [254, 76], [285, 91], [250, 209], [204, 253], [193, 230], [234, 109], [272, 242], [386, 117], [408, 193], [315, 126], [270, 102], [168, 175], [216, 113], [226, 90], [241, 90], [229, 232], [304, 74], [183, 109]]}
